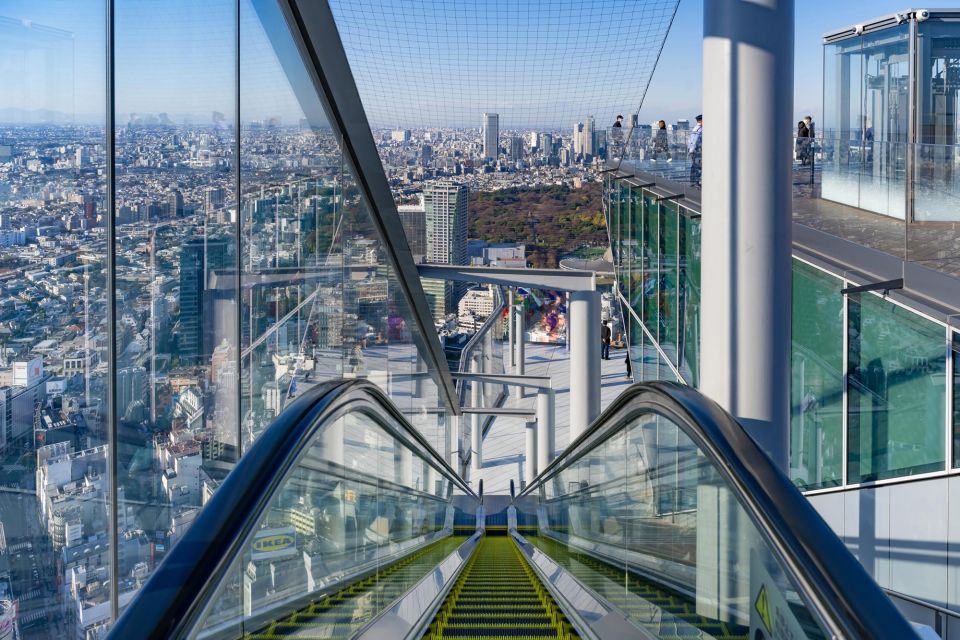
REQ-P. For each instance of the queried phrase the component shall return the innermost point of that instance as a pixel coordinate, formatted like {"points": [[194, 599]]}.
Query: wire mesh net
{"points": [[538, 64]]}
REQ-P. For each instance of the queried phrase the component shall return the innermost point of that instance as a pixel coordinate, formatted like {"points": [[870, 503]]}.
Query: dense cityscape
{"points": [[177, 382]]}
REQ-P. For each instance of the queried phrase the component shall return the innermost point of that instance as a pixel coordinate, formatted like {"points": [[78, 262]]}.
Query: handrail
{"points": [[480, 333], [845, 594], [178, 591]]}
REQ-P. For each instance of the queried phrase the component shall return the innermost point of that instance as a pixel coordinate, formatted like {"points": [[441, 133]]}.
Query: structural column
{"points": [[747, 183], [530, 464], [455, 440], [584, 337], [510, 336], [546, 427], [476, 438], [518, 337]]}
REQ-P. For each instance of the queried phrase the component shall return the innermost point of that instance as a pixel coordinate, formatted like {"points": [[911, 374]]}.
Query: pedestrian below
{"points": [[605, 341], [802, 144], [660, 144], [629, 365], [695, 148]]}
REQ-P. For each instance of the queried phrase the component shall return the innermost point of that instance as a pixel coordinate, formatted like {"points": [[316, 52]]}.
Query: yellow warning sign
{"points": [[763, 608]]}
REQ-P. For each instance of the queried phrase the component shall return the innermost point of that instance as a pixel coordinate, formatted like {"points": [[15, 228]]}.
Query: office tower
{"points": [[90, 210], [516, 148], [589, 137], [445, 210], [131, 388], [546, 145], [413, 218], [82, 158], [491, 135], [578, 139], [175, 204], [633, 120], [198, 258], [400, 135], [426, 155], [213, 198]]}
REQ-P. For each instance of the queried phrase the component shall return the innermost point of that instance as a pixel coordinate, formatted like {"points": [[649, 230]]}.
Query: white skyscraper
{"points": [[491, 135], [578, 139], [589, 137]]}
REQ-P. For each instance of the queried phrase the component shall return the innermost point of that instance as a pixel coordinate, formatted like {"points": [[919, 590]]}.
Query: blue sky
{"points": [[176, 56]]}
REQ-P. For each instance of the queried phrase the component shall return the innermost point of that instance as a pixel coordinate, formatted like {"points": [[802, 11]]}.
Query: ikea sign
{"points": [[269, 544]]}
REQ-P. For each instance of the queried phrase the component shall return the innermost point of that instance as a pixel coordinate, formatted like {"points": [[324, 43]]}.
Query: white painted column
{"points": [[584, 360], [546, 427], [476, 437], [518, 336], [747, 190], [530, 464], [455, 439], [510, 326]]}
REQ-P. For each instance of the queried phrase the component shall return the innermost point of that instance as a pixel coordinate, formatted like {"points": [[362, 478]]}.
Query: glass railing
{"points": [[668, 514], [871, 389], [484, 353], [339, 508]]}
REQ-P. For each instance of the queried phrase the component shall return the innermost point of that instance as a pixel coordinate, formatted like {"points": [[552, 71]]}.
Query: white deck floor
{"points": [[503, 446]]}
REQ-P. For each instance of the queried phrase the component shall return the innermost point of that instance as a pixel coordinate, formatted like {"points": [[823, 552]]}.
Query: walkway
{"points": [[503, 446]]}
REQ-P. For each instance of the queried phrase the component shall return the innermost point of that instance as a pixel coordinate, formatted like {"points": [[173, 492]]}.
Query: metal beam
{"points": [[314, 30], [884, 286], [535, 382], [557, 279], [503, 411]]}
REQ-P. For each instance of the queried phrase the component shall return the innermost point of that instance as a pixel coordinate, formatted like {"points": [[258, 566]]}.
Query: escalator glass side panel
{"points": [[359, 519], [647, 522]]}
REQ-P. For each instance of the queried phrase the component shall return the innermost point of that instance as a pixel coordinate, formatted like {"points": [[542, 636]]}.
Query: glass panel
{"points": [[955, 354], [896, 391], [645, 521], [54, 486], [651, 273], [356, 523], [689, 288], [843, 125], [816, 398], [176, 294], [669, 267], [624, 236], [294, 328]]}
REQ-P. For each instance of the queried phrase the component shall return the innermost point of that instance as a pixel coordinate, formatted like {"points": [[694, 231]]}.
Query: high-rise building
{"points": [[198, 257], [491, 135], [400, 135], [516, 148], [578, 139], [176, 204], [213, 199], [90, 210], [426, 155], [413, 218], [589, 137], [445, 211]]}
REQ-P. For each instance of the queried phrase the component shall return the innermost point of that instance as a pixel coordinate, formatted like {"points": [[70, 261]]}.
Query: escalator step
{"points": [[498, 597]]}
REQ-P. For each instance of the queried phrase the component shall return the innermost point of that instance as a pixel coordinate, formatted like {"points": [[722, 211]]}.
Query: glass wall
{"points": [[55, 554], [816, 391], [868, 375], [896, 391], [247, 266]]}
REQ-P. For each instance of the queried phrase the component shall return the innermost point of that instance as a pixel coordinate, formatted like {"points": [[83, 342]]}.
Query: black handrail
{"points": [[174, 597], [843, 591]]}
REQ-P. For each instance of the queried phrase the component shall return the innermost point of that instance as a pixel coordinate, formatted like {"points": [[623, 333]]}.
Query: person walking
{"points": [[605, 341], [802, 144], [629, 364], [695, 148], [660, 144]]}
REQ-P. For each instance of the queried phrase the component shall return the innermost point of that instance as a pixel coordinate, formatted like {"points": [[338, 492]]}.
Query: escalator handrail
{"points": [[173, 598], [843, 590]]}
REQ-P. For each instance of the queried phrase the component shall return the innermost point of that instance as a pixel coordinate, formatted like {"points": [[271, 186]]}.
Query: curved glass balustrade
{"points": [[673, 519], [337, 509]]}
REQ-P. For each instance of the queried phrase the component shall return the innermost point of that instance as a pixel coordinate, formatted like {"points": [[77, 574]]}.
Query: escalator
{"points": [[664, 520]]}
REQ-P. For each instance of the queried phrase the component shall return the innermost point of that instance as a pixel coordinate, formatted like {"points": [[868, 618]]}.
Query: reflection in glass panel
{"points": [[176, 305], [689, 288], [669, 294], [651, 273], [358, 521], [54, 482], [816, 398], [896, 402], [647, 522]]}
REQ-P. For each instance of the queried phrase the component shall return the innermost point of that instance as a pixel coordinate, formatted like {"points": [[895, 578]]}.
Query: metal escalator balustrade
{"points": [[338, 509], [671, 518]]}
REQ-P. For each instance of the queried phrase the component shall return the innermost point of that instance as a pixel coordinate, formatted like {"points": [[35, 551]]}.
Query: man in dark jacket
{"points": [[605, 341]]}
